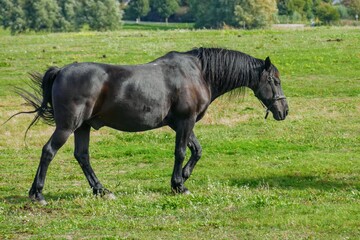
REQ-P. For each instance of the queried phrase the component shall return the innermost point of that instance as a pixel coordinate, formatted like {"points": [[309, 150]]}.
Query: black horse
{"points": [[173, 90]]}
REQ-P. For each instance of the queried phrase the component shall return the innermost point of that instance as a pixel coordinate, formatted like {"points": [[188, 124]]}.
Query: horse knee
{"points": [[180, 154]]}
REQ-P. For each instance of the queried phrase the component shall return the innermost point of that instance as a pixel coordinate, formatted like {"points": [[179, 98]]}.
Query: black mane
{"points": [[228, 69]]}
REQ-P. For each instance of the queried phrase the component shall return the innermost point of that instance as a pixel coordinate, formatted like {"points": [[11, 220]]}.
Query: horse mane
{"points": [[228, 69]]}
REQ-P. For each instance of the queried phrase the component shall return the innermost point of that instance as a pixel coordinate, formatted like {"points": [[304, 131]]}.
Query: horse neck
{"points": [[247, 76]]}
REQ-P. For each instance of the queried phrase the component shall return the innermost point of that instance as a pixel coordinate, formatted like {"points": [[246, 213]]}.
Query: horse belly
{"points": [[138, 103], [135, 123], [133, 116]]}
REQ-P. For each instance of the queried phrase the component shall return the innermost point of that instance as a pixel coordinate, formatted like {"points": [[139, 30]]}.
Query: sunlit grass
{"points": [[296, 179]]}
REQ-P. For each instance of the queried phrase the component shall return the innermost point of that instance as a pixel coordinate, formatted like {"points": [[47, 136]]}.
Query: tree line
{"points": [[101, 15], [59, 15]]}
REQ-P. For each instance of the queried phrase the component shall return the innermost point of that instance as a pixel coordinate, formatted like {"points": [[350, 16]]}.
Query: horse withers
{"points": [[174, 90]]}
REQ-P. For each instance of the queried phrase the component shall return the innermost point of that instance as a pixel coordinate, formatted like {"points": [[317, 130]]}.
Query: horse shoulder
{"points": [[191, 93]]}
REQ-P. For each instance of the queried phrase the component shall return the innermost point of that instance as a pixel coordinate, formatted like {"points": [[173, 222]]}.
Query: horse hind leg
{"points": [[49, 150], [81, 153]]}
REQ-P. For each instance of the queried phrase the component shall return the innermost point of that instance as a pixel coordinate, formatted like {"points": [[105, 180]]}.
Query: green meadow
{"points": [[257, 179]]}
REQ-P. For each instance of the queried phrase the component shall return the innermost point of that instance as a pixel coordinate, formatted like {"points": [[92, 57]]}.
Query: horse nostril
{"points": [[286, 112]]}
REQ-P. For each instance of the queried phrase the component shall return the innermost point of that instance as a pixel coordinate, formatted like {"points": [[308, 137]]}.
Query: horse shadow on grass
{"points": [[283, 181], [52, 197], [72, 195], [296, 182]]}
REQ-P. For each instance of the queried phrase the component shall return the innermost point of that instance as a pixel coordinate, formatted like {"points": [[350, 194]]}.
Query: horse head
{"points": [[270, 93]]}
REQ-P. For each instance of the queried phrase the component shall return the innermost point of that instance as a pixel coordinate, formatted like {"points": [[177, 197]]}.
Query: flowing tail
{"points": [[40, 97]]}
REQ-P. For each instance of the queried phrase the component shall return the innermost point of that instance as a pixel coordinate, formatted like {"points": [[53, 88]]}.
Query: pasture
{"points": [[296, 179]]}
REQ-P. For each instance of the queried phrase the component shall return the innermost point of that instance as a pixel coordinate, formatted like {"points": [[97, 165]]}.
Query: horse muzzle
{"points": [[280, 110]]}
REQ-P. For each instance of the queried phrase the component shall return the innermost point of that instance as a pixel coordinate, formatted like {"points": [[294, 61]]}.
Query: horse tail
{"points": [[40, 98]]}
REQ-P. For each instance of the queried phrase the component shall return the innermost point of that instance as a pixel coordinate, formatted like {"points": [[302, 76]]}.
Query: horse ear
{"points": [[267, 63]]}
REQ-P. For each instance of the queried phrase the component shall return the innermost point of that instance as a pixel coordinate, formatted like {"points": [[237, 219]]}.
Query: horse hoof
{"points": [[42, 202], [109, 196], [182, 190], [104, 193], [186, 192], [37, 200]]}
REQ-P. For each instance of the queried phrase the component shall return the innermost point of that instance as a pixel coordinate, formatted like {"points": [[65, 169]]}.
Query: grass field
{"points": [[296, 179]]}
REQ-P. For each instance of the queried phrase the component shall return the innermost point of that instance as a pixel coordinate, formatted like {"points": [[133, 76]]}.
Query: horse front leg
{"points": [[81, 153], [183, 132], [196, 151]]}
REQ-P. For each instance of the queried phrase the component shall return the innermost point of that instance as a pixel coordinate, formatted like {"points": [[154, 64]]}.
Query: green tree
{"points": [[43, 15], [199, 8], [59, 15], [100, 15], [214, 13], [68, 12], [282, 8], [353, 5], [308, 9], [165, 8], [343, 11], [296, 9], [256, 13], [12, 16], [327, 13], [5, 9], [138, 9]]}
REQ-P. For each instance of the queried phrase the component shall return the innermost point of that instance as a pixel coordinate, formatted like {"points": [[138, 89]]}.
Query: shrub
{"points": [[327, 13]]}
